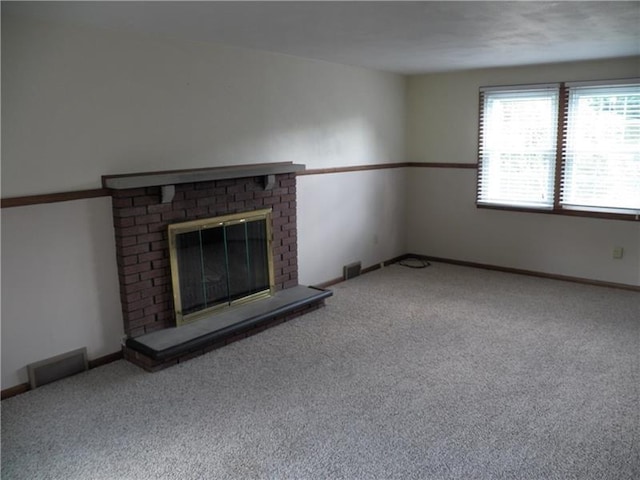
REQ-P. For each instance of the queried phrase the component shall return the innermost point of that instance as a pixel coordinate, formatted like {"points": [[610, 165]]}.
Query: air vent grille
{"points": [[352, 270], [58, 367]]}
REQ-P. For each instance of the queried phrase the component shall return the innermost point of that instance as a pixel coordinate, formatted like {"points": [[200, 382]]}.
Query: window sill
{"points": [[569, 213]]}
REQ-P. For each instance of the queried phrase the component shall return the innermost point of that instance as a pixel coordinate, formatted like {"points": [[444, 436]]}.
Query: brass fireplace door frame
{"points": [[217, 222]]}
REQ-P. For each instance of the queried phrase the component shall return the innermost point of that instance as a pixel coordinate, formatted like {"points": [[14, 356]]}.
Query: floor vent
{"points": [[58, 367], [351, 270]]}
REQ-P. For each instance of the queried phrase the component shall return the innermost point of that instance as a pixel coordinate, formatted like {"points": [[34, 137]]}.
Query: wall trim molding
{"points": [[71, 195], [105, 359], [371, 268], [96, 362], [53, 197], [354, 168], [471, 166], [384, 166], [13, 391], [485, 266], [530, 273]]}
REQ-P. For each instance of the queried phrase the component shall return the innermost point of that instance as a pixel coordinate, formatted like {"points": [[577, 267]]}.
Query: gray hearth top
{"points": [[173, 177], [171, 341]]}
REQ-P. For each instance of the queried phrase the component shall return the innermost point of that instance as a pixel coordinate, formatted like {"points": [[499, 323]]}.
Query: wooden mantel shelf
{"points": [[173, 177]]}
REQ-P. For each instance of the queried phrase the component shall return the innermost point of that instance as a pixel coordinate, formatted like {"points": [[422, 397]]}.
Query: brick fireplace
{"points": [[141, 216]]}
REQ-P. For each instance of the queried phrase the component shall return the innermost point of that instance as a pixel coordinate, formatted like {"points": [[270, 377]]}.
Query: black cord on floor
{"points": [[414, 263]]}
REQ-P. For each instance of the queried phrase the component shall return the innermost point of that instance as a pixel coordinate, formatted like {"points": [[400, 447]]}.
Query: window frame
{"points": [[563, 101]]}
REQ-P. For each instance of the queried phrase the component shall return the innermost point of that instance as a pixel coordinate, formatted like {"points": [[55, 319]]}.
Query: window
{"points": [[562, 148]]}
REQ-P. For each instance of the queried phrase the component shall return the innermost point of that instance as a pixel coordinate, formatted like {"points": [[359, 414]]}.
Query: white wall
{"points": [[59, 283], [444, 222], [81, 103], [78, 103], [349, 217], [442, 126]]}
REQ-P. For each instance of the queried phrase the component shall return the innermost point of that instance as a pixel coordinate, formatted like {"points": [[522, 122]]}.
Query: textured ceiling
{"points": [[403, 37]]}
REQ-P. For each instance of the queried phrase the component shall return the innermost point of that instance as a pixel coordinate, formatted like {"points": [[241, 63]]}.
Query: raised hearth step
{"points": [[171, 342]]}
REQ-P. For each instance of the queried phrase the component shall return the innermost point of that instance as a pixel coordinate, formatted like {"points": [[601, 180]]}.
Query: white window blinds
{"points": [[518, 145], [601, 153]]}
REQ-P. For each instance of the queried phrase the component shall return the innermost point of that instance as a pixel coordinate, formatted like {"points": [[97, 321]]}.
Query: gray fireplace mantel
{"points": [[173, 177]]}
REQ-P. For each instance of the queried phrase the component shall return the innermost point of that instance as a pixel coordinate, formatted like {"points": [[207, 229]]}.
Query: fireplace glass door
{"points": [[220, 262]]}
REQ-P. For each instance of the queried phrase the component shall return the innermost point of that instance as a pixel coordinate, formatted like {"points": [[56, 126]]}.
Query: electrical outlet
{"points": [[617, 252]]}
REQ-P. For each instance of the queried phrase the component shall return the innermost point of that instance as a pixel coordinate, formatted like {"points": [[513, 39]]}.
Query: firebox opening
{"points": [[220, 262]]}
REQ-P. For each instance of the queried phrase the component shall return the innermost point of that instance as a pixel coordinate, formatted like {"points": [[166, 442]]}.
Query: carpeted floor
{"points": [[440, 373]]}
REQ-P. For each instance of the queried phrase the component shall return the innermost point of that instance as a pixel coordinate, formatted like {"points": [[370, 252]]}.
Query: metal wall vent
{"points": [[58, 367], [351, 270]]}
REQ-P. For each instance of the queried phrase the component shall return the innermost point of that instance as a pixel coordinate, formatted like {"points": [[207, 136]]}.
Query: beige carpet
{"points": [[440, 373]]}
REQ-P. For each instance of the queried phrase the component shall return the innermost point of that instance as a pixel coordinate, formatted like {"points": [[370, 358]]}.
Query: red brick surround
{"points": [[141, 220]]}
